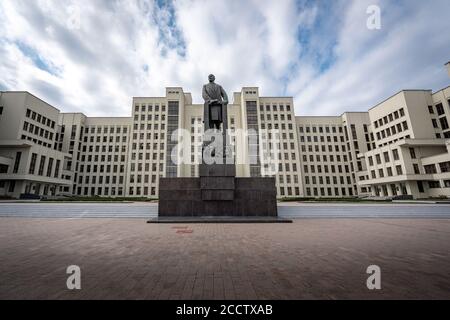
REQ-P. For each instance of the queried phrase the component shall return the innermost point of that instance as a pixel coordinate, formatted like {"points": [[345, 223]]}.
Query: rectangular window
{"points": [[41, 166], [378, 157], [58, 163], [444, 123], [12, 186], [440, 109], [389, 171], [430, 169], [49, 167], [412, 152], [420, 186], [395, 153], [405, 125], [434, 122], [445, 167], [416, 168], [17, 162], [434, 184], [33, 163], [353, 129]]}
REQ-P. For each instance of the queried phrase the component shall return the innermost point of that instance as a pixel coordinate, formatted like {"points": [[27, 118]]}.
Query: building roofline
{"points": [[338, 116], [27, 92], [109, 117], [149, 97], [73, 113], [353, 112], [401, 91], [442, 88], [276, 97], [317, 116]]}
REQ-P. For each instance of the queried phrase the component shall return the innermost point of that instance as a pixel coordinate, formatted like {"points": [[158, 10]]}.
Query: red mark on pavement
{"points": [[185, 231]]}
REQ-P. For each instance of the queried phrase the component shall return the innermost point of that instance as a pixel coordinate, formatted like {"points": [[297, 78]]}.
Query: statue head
{"points": [[211, 78]]}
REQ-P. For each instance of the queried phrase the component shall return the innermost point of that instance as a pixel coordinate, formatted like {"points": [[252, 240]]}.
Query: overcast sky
{"points": [[93, 56]]}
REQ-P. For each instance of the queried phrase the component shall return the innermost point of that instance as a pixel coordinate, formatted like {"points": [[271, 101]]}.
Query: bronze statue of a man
{"points": [[215, 108]]}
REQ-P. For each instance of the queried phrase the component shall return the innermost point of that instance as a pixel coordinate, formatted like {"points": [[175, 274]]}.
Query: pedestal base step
{"points": [[225, 219]]}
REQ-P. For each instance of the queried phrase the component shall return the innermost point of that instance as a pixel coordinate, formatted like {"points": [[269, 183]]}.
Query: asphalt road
{"points": [[291, 210]]}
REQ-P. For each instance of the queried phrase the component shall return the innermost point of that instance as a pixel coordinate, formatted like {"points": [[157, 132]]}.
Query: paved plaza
{"points": [[308, 259]]}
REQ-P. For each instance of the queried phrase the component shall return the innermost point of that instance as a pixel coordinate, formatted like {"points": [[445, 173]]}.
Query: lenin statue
{"points": [[215, 114], [215, 108]]}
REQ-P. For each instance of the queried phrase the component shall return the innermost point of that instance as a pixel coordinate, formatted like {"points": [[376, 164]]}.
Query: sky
{"points": [[93, 56]]}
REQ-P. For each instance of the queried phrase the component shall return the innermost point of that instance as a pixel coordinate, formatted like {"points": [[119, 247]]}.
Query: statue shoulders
{"points": [[211, 85]]}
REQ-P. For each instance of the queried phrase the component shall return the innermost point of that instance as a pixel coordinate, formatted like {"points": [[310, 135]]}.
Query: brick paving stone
{"points": [[308, 259]]}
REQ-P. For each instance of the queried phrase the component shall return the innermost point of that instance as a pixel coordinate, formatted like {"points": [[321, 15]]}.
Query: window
{"points": [[412, 152], [49, 167], [420, 186], [444, 123], [389, 171], [1, 110], [17, 162], [416, 168], [3, 169], [58, 162], [430, 109], [353, 129], [435, 124], [12, 186], [395, 153], [445, 167], [405, 125], [440, 109], [41, 166], [33, 163], [430, 169], [386, 156], [434, 184], [399, 170], [396, 115], [378, 157], [73, 132]]}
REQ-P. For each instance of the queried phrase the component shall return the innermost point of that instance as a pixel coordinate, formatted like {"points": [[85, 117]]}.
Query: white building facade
{"points": [[399, 148]]}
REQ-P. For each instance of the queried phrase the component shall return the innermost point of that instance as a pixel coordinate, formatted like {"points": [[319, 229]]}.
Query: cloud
{"points": [[94, 56], [371, 65]]}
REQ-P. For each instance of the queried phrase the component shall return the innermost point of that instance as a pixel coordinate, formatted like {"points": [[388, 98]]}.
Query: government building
{"points": [[398, 148]]}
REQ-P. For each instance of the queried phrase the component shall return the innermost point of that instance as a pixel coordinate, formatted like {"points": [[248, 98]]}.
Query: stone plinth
{"points": [[217, 192]]}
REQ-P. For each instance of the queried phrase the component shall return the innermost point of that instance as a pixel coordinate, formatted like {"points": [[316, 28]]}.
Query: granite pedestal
{"points": [[217, 193]]}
